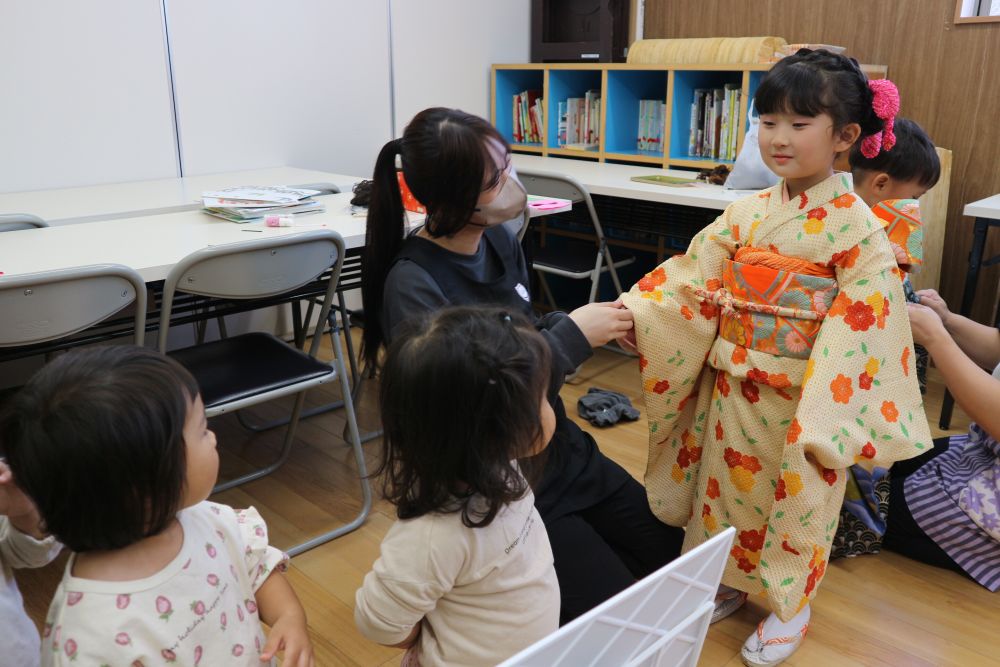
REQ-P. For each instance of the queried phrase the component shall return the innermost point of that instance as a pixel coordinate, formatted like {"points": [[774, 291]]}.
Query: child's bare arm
{"points": [[280, 608]]}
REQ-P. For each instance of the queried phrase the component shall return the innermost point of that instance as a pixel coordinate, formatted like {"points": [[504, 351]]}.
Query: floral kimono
{"points": [[775, 354], [866, 500]]}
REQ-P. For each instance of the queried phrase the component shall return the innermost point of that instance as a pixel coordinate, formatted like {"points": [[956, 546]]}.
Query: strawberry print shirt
{"points": [[198, 610]]}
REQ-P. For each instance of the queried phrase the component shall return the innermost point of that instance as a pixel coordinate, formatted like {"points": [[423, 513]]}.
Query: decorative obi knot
{"points": [[772, 303]]}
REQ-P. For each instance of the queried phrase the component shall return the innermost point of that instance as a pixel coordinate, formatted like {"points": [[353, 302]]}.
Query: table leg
{"points": [[968, 295]]}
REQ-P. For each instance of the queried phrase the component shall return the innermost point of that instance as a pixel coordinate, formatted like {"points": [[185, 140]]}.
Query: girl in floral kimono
{"points": [[776, 352]]}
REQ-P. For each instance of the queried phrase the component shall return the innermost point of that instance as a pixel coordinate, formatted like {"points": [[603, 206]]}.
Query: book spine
{"points": [[517, 119], [641, 139], [717, 125], [561, 126], [724, 150], [737, 118]]}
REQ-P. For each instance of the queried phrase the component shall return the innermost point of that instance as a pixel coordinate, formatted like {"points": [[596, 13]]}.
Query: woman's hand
{"points": [[933, 300], [603, 322], [928, 329]]}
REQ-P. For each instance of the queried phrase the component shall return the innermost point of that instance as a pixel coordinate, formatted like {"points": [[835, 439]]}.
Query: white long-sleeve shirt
{"points": [[480, 594], [19, 641]]}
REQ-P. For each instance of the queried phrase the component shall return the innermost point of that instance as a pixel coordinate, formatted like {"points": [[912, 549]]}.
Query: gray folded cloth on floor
{"points": [[605, 408]]}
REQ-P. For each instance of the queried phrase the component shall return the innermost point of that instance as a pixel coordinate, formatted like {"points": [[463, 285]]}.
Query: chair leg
{"points": [[359, 458], [595, 277], [345, 321], [286, 449], [611, 269], [546, 292]]}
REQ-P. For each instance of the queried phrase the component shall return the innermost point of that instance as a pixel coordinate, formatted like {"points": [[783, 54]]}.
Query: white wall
{"points": [[85, 94], [258, 83], [443, 49]]}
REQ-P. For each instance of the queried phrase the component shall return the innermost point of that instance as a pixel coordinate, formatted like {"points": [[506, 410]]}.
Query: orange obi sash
{"points": [[901, 219], [773, 303]]}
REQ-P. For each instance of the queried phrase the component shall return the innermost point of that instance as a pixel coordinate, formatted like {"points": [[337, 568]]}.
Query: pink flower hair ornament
{"points": [[885, 102]]}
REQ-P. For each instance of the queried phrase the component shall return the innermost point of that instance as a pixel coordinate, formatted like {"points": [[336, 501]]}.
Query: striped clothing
{"points": [[955, 499]]}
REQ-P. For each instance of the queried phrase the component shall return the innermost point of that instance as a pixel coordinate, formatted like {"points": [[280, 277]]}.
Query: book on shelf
{"points": [[714, 122], [652, 115], [527, 115], [580, 121], [254, 203]]}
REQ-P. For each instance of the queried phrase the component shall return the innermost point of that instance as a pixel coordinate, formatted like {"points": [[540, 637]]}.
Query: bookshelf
{"points": [[622, 87]]}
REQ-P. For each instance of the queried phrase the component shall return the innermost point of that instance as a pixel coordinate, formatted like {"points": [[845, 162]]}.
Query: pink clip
{"points": [[885, 102]]}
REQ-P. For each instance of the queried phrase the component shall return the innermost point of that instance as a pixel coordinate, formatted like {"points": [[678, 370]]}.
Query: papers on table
{"points": [[254, 203]]}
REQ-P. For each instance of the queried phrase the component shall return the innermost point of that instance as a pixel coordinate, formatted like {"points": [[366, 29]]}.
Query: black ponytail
{"points": [[811, 83], [383, 239], [448, 158]]}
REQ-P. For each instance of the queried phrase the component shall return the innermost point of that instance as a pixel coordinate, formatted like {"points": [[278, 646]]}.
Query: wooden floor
{"points": [[874, 610]]}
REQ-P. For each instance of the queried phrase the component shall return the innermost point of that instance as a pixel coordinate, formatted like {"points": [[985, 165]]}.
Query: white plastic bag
{"points": [[749, 171]]}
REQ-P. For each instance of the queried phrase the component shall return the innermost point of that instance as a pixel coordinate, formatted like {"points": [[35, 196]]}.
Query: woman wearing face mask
{"points": [[602, 533]]}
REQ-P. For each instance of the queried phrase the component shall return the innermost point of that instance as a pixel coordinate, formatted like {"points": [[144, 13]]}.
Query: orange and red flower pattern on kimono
{"points": [[769, 372]]}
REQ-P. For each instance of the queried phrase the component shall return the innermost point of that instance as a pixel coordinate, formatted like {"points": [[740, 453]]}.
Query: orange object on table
{"points": [[410, 202]]}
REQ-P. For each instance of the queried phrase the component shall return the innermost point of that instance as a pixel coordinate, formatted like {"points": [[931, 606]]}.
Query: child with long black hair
{"points": [[459, 167], [465, 576]]}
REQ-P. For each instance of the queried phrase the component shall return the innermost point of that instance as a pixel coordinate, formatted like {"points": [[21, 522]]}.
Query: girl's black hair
{"points": [[460, 399], [810, 83], [912, 158], [447, 163], [96, 439]]}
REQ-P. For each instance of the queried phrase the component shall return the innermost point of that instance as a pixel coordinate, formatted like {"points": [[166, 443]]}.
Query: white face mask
{"points": [[508, 204]]}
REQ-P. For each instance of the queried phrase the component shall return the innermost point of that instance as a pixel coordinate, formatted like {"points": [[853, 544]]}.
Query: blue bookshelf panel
{"points": [[685, 83], [563, 84], [755, 79], [510, 82], [625, 90]]}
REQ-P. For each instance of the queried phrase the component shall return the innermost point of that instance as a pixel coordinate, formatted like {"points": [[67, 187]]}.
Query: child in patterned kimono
{"points": [[890, 183], [113, 446], [776, 352]]}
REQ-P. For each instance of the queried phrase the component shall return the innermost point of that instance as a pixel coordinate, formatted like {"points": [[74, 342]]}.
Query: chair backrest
{"points": [[661, 620], [324, 188], [12, 222], [45, 306], [552, 184], [560, 186], [255, 269], [934, 214]]}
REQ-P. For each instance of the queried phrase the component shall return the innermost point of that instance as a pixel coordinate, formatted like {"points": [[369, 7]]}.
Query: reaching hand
{"points": [[603, 322], [926, 325], [933, 300], [17, 506], [902, 259], [628, 343], [289, 634]]}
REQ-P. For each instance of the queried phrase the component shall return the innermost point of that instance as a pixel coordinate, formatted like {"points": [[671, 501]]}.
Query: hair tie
{"points": [[885, 103]]}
